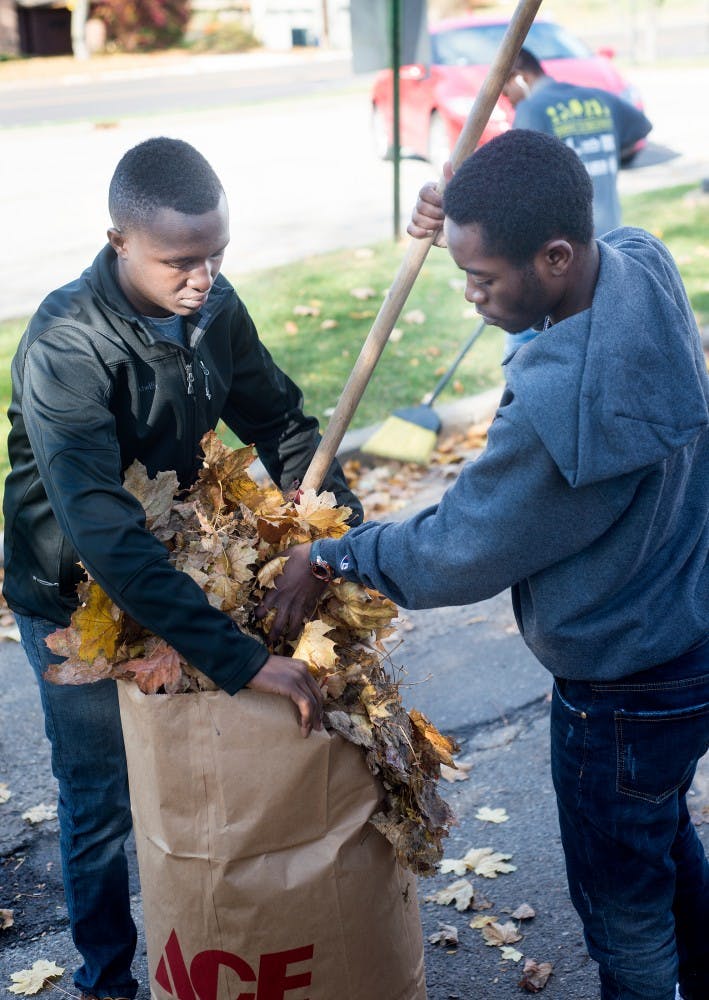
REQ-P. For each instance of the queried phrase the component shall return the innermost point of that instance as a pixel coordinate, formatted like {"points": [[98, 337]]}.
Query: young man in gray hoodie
{"points": [[591, 502]]}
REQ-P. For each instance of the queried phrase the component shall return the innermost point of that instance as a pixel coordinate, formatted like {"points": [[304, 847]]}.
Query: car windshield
{"points": [[478, 44]]}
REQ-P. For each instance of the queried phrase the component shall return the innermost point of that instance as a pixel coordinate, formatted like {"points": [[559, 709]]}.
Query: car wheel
{"points": [[438, 143], [380, 135]]}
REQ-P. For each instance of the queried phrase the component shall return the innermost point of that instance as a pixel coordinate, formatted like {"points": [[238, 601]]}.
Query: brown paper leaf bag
{"points": [[261, 877]]}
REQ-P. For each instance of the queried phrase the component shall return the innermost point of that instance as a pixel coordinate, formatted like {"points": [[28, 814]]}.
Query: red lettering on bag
{"points": [[204, 973], [178, 970], [202, 980], [273, 980]]}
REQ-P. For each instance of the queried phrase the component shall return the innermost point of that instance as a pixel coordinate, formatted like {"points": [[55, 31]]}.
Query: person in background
{"points": [[601, 128], [137, 359], [591, 502]]}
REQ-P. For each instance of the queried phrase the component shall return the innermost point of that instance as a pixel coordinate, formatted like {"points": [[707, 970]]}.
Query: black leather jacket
{"points": [[93, 389]]}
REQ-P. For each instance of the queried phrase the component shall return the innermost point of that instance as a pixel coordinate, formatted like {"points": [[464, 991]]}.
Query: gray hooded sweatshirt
{"points": [[591, 499]]}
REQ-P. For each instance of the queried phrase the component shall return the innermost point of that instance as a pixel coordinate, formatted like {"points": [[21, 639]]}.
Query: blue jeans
{"points": [[88, 760], [624, 755]]}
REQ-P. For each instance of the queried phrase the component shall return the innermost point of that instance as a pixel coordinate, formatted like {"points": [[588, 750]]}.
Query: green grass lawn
{"points": [[320, 359]]}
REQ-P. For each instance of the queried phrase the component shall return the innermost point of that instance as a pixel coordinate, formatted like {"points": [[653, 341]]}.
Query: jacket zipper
{"points": [[205, 372]]}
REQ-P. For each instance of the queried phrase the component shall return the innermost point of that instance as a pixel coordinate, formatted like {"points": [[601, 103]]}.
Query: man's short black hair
{"points": [[161, 173], [522, 188], [528, 63]]}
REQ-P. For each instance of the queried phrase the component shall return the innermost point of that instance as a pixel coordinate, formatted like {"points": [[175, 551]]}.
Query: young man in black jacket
{"points": [[137, 359]]}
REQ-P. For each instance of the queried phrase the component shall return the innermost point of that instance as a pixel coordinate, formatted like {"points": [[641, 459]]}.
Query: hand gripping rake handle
{"points": [[412, 263]]}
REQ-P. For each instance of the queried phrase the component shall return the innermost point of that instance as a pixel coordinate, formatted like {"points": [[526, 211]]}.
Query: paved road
{"points": [[299, 172], [192, 85]]}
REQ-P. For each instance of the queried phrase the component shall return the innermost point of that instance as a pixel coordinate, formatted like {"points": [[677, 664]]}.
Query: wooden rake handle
{"points": [[412, 263]]}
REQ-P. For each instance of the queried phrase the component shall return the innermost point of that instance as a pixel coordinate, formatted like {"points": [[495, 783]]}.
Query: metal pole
{"points": [[396, 124]]}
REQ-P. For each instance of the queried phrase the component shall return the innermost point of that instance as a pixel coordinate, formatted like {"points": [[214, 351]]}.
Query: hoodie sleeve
{"points": [[509, 515]]}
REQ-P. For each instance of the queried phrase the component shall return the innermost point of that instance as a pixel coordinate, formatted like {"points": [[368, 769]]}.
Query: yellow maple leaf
{"points": [[315, 649], [269, 573], [320, 511], [28, 981], [98, 622], [443, 745]]}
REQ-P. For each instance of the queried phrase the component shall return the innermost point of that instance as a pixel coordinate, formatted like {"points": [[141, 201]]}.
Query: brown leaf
{"points": [[535, 975], [156, 495], [7, 919], [448, 935], [159, 668], [498, 934], [523, 912]]}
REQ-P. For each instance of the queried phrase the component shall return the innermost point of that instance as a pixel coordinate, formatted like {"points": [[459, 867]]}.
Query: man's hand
{"points": [[295, 595], [427, 216], [291, 678]]}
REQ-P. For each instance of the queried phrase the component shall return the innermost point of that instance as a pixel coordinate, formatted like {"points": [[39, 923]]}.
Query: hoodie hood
{"points": [[638, 390]]}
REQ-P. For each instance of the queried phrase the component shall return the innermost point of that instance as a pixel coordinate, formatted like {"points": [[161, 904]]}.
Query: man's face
{"points": [[514, 297], [516, 88], [170, 266]]}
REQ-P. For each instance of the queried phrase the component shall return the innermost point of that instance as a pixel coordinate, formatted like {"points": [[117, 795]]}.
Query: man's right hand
{"points": [[292, 679], [427, 216]]}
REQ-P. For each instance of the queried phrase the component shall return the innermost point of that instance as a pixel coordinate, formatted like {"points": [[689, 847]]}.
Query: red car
{"points": [[435, 99]]}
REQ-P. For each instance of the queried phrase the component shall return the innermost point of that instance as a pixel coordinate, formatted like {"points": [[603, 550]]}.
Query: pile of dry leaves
{"points": [[226, 533]]}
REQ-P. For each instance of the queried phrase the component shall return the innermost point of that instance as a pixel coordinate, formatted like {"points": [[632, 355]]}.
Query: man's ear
{"points": [[556, 257], [117, 240]]}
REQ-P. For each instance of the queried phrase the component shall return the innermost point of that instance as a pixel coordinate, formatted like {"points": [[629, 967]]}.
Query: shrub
{"points": [[224, 36], [143, 25]]}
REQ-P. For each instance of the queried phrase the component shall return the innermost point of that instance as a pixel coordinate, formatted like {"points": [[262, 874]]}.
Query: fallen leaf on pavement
{"points": [[535, 975], [523, 912], [510, 954], [460, 892], [480, 860], [448, 934], [457, 773], [5, 792], [492, 815], [7, 919], [29, 981], [40, 813], [499, 934], [477, 923]]}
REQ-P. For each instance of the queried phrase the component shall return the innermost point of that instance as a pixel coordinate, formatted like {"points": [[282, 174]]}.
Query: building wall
{"points": [[9, 34]]}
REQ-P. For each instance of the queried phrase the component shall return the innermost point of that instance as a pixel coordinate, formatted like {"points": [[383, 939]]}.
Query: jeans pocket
{"points": [[656, 751]]}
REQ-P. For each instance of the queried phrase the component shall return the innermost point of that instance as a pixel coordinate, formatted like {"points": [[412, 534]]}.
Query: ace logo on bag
{"points": [[274, 978]]}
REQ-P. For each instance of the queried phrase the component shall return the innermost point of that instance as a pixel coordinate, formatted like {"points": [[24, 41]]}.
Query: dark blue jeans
{"points": [[88, 760], [624, 755]]}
